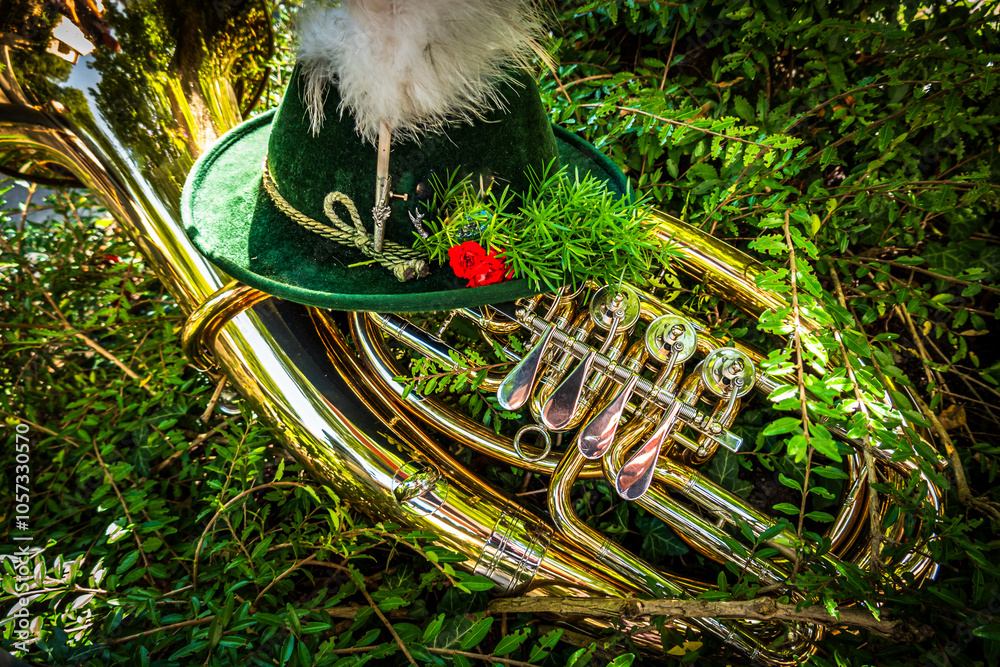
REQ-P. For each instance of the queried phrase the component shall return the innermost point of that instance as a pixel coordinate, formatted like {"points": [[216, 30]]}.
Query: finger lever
{"points": [[515, 389], [635, 476], [596, 437], [557, 412]]}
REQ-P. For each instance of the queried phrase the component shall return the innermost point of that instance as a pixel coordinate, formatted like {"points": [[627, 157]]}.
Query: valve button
{"points": [[607, 300], [722, 367], [664, 333]]}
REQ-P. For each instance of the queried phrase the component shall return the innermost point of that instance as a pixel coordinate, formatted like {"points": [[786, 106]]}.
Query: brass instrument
{"points": [[327, 381]]}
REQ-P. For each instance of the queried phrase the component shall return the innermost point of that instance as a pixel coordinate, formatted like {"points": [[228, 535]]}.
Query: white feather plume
{"points": [[414, 65]]}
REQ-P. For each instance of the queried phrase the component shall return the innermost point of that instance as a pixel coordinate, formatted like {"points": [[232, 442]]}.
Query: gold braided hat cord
{"points": [[403, 262]]}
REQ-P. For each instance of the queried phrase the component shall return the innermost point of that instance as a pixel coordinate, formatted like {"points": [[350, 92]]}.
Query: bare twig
{"points": [[24, 214], [385, 621], [678, 123], [673, 43], [128, 515], [172, 626], [87, 340], [208, 528], [759, 609], [167, 462], [876, 536], [964, 494], [480, 656], [215, 399], [797, 339], [296, 565], [881, 121], [932, 274], [441, 651], [925, 356]]}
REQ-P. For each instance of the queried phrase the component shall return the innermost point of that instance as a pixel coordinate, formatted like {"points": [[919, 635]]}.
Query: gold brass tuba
{"points": [[643, 393]]}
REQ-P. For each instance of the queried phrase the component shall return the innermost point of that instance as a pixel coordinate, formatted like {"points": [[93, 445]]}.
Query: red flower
{"points": [[490, 270], [493, 255], [469, 260], [465, 258]]}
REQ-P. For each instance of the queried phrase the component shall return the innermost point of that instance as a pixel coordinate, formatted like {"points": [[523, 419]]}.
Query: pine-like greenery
{"points": [[565, 230]]}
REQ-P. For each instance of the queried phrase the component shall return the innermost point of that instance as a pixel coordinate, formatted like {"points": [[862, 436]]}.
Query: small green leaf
{"points": [[787, 508], [511, 642], [790, 483], [782, 425], [476, 583], [771, 532], [830, 472], [287, 649], [476, 633], [581, 656], [743, 108], [546, 642], [991, 631], [292, 620], [215, 630], [831, 607], [433, 628], [127, 562]]}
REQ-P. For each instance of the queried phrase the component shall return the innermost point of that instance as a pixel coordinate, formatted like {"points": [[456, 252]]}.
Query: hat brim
{"points": [[233, 222]]}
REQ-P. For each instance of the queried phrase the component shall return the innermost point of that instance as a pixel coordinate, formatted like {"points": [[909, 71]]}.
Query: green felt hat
{"points": [[236, 221]]}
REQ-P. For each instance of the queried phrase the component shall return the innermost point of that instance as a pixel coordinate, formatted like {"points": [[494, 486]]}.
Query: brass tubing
{"points": [[452, 423], [486, 322], [331, 431], [428, 345], [639, 572], [698, 489], [561, 562], [722, 268], [707, 539], [850, 520], [204, 324], [339, 421]]}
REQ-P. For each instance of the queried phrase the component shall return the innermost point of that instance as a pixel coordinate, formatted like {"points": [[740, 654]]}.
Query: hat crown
{"points": [[501, 148]]}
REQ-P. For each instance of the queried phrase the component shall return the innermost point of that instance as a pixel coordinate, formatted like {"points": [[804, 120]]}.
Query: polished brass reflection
{"points": [[204, 324]]}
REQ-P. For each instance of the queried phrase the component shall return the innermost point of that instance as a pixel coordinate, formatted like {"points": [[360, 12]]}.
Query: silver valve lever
{"points": [[558, 411], [516, 388], [597, 436], [634, 478]]}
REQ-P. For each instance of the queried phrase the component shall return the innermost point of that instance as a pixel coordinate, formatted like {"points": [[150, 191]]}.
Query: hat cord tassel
{"points": [[403, 262]]}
